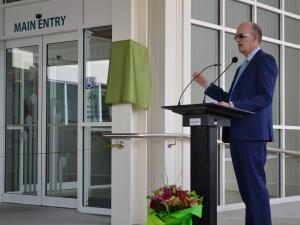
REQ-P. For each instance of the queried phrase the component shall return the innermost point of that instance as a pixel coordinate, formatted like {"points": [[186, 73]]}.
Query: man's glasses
{"points": [[242, 35]]}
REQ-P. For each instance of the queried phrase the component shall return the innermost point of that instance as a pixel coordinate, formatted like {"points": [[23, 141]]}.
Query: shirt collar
{"points": [[252, 54]]}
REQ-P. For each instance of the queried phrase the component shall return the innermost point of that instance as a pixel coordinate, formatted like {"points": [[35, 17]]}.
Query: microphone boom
{"points": [[233, 60], [218, 64]]}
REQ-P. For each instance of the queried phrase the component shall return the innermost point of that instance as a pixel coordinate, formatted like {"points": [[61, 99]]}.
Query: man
{"points": [[252, 89]]}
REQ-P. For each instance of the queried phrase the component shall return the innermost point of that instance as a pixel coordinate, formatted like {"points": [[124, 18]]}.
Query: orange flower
{"points": [[173, 201]]}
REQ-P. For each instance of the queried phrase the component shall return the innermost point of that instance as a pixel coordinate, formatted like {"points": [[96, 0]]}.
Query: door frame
{"points": [[53, 201], [40, 198], [14, 197]]}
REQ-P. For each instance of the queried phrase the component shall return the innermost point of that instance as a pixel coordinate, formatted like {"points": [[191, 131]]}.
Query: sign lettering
{"points": [[39, 24]]}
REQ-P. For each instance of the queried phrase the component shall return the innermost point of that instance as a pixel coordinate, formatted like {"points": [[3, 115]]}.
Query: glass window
{"points": [[274, 3], [207, 11], [269, 23], [292, 172], [276, 140], [274, 50], [97, 168], [96, 56], [272, 175], [272, 167], [292, 6], [292, 92], [205, 51], [96, 149], [292, 27], [237, 12], [72, 93]]}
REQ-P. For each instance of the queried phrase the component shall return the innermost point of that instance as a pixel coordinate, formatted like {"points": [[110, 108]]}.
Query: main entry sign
{"points": [[39, 24], [42, 17]]}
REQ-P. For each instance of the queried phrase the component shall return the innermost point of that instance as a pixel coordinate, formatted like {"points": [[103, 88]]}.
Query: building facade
{"points": [[54, 58]]}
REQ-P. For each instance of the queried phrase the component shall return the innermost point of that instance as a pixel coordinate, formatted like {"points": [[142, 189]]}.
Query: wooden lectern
{"points": [[204, 120]]}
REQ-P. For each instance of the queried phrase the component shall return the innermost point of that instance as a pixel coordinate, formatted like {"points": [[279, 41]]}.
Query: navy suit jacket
{"points": [[254, 92]]}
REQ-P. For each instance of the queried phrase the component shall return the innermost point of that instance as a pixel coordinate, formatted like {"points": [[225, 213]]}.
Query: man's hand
{"points": [[202, 80], [226, 104]]}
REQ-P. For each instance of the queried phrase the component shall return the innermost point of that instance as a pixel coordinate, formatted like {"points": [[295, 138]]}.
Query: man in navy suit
{"points": [[252, 89]]}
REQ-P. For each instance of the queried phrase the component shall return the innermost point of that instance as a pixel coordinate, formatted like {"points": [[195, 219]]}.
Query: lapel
{"points": [[234, 78], [250, 64]]}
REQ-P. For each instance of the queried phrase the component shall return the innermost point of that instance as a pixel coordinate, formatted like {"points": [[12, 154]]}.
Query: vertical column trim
{"points": [[2, 102], [282, 101], [2, 120]]}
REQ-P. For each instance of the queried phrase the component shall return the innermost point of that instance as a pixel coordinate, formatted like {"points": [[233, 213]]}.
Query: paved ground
{"points": [[282, 214], [16, 214]]}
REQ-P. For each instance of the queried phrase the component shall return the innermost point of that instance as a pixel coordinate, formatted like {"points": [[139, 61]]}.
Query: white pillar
{"points": [[129, 165], [169, 65], [2, 110], [173, 85]]}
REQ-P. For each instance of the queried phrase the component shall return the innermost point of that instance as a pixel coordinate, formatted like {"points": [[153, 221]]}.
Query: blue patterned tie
{"points": [[241, 70]]}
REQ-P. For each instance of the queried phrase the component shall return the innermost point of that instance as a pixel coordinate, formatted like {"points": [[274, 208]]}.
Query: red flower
{"points": [[172, 198]]}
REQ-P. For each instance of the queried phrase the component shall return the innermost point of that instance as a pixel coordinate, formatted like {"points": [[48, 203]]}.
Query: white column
{"points": [[186, 78], [170, 71], [2, 110], [129, 165], [168, 74], [173, 85], [156, 115], [2, 102]]}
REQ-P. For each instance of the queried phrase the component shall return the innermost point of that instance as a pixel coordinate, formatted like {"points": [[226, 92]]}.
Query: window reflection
{"points": [[62, 86], [96, 150], [292, 172], [21, 141], [97, 51], [97, 168]]}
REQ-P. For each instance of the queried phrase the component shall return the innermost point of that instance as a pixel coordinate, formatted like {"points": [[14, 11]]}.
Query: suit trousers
{"points": [[249, 158]]}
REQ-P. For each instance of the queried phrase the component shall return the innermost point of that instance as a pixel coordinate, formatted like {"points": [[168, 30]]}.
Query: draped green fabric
{"points": [[129, 74]]}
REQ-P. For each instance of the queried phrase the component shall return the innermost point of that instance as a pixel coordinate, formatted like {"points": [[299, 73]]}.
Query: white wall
{"points": [[97, 12], [80, 13]]}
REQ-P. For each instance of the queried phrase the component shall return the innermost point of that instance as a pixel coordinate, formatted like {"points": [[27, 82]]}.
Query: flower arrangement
{"points": [[170, 205]]}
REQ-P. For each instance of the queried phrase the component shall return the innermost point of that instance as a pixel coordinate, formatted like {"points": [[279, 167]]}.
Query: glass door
{"points": [[60, 120], [22, 122], [41, 120]]}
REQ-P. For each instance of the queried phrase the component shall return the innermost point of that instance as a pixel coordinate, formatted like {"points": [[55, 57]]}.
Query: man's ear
{"points": [[256, 37]]}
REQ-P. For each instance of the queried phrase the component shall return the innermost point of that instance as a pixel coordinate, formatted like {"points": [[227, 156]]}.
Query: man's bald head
{"points": [[254, 27]]}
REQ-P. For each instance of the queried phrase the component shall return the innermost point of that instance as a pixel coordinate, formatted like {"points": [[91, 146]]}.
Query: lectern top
{"points": [[208, 108]]}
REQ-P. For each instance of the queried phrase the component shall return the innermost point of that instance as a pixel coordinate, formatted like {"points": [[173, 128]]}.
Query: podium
{"points": [[204, 120]]}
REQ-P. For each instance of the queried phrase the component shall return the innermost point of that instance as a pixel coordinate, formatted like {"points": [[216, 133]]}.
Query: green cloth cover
{"points": [[129, 74]]}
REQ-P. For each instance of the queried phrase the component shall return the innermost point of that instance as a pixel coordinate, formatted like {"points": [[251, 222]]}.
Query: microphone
{"points": [[233, 60], [218, 64]]}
